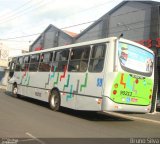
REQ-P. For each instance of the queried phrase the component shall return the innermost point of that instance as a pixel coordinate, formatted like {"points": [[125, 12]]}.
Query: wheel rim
{"points": [[15, 90], [54, 100]]}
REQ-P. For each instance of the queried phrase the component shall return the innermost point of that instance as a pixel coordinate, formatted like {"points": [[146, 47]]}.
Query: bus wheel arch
{"points": [[15, 90], [55, 99]]}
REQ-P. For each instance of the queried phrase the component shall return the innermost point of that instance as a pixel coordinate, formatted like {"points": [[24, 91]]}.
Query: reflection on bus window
{"points": [[13, 64], [45, 62], [19, 64], [25, 64], [12, 67], [79, 59], [149, 65], [97, 58], [135, 59], [34, 62], [61, 60]]}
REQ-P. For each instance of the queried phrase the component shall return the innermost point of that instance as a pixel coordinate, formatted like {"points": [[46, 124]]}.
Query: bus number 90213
{"points": [[126, 93]]}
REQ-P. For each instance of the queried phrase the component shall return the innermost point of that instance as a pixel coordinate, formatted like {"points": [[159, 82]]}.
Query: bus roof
{"points": [[83, 44]]}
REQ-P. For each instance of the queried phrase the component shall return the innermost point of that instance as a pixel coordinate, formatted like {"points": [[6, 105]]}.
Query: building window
{"points": [[79, 59], [97, 58], [34, 62]]}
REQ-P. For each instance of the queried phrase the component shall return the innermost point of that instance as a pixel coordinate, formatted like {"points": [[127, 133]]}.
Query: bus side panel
{"points": [[81, 91], [109, 75], [9, 87], [16, 78], [37, 79], [32, 84], [88, 103], [62, 81], [94, 84], [37, 85], [91, 90], [72, 86], [37, 93], [109, 79]]}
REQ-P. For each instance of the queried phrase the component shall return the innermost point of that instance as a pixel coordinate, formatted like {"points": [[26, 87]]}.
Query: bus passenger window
{"points": [[79, 59], [25, 65], [34, 62], [97, 58], [19, 64], [12, 64], [12, 67], [84, 59], [61, 60], [45, 62]]}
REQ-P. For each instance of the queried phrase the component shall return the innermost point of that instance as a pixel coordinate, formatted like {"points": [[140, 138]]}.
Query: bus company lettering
{"points": [[38, 94]]}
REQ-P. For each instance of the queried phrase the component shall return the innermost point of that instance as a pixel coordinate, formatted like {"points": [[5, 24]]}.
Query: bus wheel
{"points": [[15, 91], [54, 101]]}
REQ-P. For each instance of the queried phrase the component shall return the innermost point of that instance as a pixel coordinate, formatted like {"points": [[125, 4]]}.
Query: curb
{"points": [[131, 117]]}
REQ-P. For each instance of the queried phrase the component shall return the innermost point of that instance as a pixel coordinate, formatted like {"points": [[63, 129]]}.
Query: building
{"points": [[52, 37], [5, 53], [137, 20]]}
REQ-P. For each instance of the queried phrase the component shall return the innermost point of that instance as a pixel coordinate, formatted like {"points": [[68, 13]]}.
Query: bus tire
{"points": [[54, 100], [15, 91]]}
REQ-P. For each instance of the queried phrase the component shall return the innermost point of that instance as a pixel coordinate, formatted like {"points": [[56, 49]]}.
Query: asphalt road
{"points": [[28, 118]]}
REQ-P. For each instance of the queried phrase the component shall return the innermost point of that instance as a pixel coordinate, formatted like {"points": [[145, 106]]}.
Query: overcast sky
{"points": [[26, 17]]}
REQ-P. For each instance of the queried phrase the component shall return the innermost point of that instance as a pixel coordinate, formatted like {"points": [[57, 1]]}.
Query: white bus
{"points": [[109, 74]]}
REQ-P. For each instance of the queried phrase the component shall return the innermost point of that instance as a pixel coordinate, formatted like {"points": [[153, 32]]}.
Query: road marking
{"points": [[130, 117], [33, 137], [25, 140]]}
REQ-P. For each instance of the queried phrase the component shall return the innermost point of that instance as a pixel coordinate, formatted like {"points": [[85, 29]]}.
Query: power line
{"points": [[14, 17], [97, 6], [78, 24], [81, 24], [21, 36], [48, 31], [16, 9], [24, 11]]}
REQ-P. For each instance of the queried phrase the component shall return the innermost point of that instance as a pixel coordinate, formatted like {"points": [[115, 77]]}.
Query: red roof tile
{"points": [[72, 34]]}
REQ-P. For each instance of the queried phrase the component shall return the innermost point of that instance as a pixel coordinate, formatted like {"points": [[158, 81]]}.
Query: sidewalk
{"points": [[150, 117]]}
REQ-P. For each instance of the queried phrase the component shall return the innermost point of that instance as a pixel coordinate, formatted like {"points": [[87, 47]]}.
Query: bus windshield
{"points": [[135, 59]]}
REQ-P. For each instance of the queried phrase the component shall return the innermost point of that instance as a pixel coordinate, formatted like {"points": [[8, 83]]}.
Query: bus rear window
{"points": [[135, 59]]}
